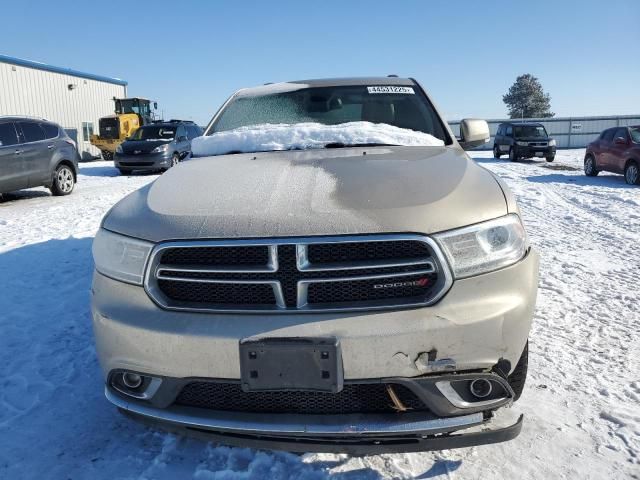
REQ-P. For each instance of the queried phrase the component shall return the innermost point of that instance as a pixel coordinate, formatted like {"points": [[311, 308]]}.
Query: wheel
{"points": [[590, 169], [496, 151], [551, 159], [125, 171], [63, 180], [512, 155], [107, 155], [175, 159], [519, 374], [632, 173]]}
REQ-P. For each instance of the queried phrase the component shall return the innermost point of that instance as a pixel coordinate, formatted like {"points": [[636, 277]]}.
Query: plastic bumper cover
{"points": [[352, 434]]}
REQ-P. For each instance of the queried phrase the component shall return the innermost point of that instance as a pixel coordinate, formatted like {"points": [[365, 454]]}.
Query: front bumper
{"points": [[532, 151], [351, 434], [480, 321], [147, 161]]}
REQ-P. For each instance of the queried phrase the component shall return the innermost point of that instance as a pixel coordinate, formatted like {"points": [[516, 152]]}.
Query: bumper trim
{"points": [[301, 425], [365, 438]]}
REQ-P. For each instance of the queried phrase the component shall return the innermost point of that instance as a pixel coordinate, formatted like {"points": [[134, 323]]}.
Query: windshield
{"points": [[409, 109], [529, 131], [127, 106], [133, 105], [154, 133], [635, 134]]}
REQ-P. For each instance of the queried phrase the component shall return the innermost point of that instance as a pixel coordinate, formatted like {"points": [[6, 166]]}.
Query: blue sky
{"points": [[191, 55]]}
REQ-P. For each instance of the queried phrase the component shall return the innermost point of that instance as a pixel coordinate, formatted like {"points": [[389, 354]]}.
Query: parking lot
{"points": [[580, 403]]}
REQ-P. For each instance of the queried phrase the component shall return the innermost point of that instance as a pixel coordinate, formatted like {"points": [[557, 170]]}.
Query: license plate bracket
{"points": [[539, 154], [297, 363]]}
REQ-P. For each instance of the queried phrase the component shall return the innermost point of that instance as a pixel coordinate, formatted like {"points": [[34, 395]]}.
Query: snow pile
{"points": [[300, 136]]}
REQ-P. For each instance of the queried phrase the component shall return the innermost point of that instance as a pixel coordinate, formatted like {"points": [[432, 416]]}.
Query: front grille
{"points": [[218, 293], [137, 164], [371, 289], [537, 144], [323, 253], [354, 398], [109, 127], [297, 274], [222, 256]]}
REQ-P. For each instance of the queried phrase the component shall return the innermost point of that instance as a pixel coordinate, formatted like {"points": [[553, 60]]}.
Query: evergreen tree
{"points": [[527, 99]]}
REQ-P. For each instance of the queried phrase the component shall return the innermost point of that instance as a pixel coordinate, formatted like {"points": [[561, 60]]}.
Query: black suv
{"points": [[34, 153], [523, 140], [158, 146]]}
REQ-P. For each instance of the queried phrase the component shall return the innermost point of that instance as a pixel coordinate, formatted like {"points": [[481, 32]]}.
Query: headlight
{"points": [[484, 247], [161, 148], [552, 142], [522, 144], [119, 257], [119, 149]]}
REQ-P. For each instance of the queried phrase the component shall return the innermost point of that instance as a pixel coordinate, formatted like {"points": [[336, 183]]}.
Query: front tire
{"points": [[518, 377], [551, 159], [496, 151], [512, 155], [175, 160], [590, 169], [106, 155], [632, 173], [63, 181]]}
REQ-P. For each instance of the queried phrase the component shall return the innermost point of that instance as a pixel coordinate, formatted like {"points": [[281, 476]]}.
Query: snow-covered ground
{"points": [[581, 403]]}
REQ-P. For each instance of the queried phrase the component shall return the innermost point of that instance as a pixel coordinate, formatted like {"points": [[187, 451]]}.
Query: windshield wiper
{"points": [[348, 145]]}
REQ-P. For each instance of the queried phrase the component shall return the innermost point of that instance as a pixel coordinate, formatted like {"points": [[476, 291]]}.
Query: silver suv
{"points": [[36, 152], [340, 277]]}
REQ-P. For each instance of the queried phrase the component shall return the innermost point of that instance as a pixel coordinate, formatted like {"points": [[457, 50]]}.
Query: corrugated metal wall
{"points": [[39, 93], [569, 132]]}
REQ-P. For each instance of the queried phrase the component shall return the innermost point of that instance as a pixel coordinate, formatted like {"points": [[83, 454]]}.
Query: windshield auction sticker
{"points": [[390, 89]]}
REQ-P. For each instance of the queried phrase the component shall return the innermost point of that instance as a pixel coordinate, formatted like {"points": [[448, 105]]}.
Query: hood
{"points": [[315, 192], [142, 146]]}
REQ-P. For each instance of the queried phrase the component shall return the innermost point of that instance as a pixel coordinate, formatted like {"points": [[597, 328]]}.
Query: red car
{"points": [[616, 150]]}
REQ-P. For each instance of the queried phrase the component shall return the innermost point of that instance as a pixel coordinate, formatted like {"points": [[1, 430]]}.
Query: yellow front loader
{"points": [[130, 113]]}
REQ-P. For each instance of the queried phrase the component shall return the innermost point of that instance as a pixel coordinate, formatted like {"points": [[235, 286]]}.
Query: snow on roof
{"points": [[301, 136]]}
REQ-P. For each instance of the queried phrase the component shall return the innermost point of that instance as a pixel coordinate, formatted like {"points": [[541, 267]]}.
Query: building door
{"points": [[87, 131]]}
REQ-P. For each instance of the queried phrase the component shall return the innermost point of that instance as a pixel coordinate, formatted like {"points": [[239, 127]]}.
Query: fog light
{"points": [[132, 380], [480, 388]]}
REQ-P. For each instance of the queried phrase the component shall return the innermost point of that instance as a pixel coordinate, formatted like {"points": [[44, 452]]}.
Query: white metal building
{"points": [[569, 132], [73, 99]]}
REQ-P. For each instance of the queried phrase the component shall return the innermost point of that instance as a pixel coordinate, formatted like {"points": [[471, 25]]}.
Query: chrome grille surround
{"points": [[434, 264]]}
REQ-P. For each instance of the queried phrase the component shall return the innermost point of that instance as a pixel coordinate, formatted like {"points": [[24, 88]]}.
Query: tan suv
{"points": [[335, 274]]}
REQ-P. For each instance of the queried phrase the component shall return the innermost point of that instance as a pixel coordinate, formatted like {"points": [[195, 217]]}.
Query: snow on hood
{"points": [[300, 136]]}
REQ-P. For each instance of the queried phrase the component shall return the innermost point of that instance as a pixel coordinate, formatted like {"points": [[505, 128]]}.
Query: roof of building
{"points": [[65, 71]]}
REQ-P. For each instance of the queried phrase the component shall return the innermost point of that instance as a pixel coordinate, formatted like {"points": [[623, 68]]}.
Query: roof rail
{"points": [[393, 75], [32, 117]]}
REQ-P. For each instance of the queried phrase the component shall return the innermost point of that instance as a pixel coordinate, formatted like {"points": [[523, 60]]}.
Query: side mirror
{"points": [[620, 141], [155, 105], [473, 133]]}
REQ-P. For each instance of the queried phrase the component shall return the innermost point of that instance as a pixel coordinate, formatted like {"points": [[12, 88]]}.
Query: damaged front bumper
{"points": [[481, 320], [452, 417], [357, 434]]}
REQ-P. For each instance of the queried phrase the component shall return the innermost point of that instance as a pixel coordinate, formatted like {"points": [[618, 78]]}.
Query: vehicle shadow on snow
{"points": [[610, 181], [22, 195], [54, 419]]}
